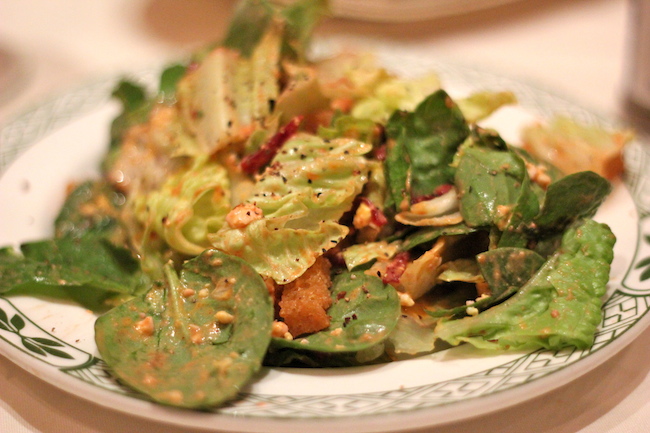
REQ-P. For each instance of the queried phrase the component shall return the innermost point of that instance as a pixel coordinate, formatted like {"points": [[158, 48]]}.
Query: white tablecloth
{"points": [[577, 49]]}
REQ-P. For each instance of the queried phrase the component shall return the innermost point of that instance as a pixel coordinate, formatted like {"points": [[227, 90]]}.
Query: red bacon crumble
{"points": [[396, 268], [257, 160], [377, 217], [440, 190]]}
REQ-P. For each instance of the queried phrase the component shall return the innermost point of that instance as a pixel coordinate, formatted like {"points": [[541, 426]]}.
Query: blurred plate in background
{"points": [[405, 10]]}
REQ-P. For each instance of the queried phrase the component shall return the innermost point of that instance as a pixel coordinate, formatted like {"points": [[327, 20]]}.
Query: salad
{"points": [[265, 208]]}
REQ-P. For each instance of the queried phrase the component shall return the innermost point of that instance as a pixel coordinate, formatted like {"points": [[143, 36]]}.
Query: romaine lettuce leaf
{"points": [[187, 207], [308, 186], [480, 105], [228, 95], [559, 306], [362, 254], [394, 93]]}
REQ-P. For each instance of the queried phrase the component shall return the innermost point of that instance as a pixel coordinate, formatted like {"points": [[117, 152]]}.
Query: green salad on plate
{"points": [[261, 207]]}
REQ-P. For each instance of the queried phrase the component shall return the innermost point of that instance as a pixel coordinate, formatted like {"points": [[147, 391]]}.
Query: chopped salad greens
{"points": [[265, 208]]}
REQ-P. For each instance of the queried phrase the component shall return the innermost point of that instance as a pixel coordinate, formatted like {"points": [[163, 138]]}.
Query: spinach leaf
{"points": [[505, 271], [364, 311], [570, 199], [194, 340], [296, 358], [91, 208], [490, 180], [89, 270], [523, 211], [135, 109], [168, 81], [426, 235], [396, 169], [426, 141]]}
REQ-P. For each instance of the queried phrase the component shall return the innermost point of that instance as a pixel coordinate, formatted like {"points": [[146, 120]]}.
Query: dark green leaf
{"points": [[18, 322], [489, 180], [135, 109], [169, 79], [252, 19], [363, 312], [248, 24], [88, 270], [523, 212], [643, 263], [33, 348], [559, 306], [92, 207], [574, 197], [57, 353], [195, 364], [645, 275], [427, 235], [3, 315], [429, 138], [46, 342], [505, 270]]}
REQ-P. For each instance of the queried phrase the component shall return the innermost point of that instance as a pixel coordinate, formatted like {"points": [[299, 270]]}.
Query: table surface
{"points": [[577, 49]]}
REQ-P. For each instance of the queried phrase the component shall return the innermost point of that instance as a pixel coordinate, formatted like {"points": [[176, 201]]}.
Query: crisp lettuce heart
{"points": [[296, 204], [187, 207]]}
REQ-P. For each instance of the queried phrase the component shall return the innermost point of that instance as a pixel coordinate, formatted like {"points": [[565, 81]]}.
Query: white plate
{"points": [[405, 10], [63, 140]]}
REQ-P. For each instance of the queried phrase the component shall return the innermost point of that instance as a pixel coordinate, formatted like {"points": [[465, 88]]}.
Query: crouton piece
{"points": [[305, 301]]}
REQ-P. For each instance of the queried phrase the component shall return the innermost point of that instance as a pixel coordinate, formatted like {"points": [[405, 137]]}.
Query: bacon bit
{"points": [[439, 191], [378, 218], [254, 162], [396, 267], [381, 152]]}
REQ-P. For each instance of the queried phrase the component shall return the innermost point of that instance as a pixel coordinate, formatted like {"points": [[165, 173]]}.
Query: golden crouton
{"points": [[305, 301]]}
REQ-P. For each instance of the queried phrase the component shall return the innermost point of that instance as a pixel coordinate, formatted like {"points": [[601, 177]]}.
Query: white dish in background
{"points": [[405, 10], [63, 140]]}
